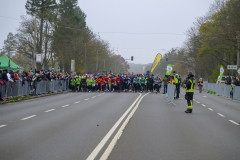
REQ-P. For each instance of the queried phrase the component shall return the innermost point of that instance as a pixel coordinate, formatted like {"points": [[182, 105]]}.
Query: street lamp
{"points": [[35, 33], [10, 38]]}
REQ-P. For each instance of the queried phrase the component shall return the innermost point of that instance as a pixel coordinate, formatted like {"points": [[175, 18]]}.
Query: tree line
{"points": [[212, 41], [62, 35]]}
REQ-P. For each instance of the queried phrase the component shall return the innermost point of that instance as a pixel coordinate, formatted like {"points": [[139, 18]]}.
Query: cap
{"points": [[174, 72]]}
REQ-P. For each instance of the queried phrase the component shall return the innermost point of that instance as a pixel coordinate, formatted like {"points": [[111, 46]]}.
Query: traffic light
{"points": [[166, 59], [131, 58]]}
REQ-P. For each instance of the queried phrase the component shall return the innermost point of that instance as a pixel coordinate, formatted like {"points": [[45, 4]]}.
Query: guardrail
{"points": [[170, 93], [222, 90], [18, 89]]}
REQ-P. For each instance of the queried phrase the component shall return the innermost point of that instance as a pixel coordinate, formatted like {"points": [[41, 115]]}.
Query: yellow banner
{"points": [[157, 59]]}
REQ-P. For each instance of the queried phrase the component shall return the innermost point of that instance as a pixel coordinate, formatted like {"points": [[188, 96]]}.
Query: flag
{"points": [[221, 74], [169, 69], [157, 59]]}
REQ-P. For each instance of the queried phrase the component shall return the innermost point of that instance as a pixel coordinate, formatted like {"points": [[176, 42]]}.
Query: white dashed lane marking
{"points": [[93, 96], [99, 95], [221, 115], [234, 122], [197, 102], [65, 105], [77, 102], [86, 99], [205, 96], [50, 110], [28, 117], [3, 125], [203, 105], [210, 109]]}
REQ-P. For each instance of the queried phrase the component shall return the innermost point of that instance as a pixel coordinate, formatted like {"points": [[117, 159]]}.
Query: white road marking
{"points": [[65, 105], [210, 109], [197, 102], [3, 125], [99, 95], [50, 110], [95, 152], [86, 99], [77, 102], [28, 117], [203, 105], [120, 131], [234, 122], [221, 115], [205, 96], [93, 96]]}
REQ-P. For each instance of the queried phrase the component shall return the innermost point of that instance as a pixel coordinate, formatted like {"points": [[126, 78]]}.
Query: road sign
{"points": [[232, 67], [39, 58]]}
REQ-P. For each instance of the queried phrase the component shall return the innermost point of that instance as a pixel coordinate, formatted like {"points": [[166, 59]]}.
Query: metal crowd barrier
{"points": [[222, 90], [18, 89], [170, 93]]}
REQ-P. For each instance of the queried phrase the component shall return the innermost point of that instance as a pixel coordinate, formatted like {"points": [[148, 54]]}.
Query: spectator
{"points": [[165, 83], [237, 81], [9, 76]]}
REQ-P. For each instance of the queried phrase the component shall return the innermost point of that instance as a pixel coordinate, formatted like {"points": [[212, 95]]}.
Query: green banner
{"points": [[239, 71], [221, 74], [169, 69]]}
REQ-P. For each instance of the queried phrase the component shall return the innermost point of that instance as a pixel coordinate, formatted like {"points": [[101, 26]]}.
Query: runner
{"points": [[89, 84], [142, 83], [119, 82], [136, 83]]}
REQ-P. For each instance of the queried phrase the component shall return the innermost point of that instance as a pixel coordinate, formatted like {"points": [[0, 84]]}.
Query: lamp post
{"points": [[10, 38]]}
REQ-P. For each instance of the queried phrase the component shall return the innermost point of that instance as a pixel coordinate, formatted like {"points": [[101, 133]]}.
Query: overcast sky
{"points": [[127, 16]]}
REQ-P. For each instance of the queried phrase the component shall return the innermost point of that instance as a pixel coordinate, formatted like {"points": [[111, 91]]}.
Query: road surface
{"points": [[120, 126]]}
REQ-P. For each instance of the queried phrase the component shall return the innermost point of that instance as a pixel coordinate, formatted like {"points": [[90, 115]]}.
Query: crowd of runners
{"points": [[115, 83]]}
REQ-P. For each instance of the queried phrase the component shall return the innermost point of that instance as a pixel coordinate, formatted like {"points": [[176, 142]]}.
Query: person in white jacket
{"points": [[9, 77]]}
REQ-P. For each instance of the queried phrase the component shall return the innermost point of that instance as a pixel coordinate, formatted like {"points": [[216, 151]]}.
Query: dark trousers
{"points": [[190, 100], [99, 86], [165, 89], [177, 90], [89, 88], [142, 87], [136, 87], [157, 87], [103, 87], [119, 87], [150, 87]]}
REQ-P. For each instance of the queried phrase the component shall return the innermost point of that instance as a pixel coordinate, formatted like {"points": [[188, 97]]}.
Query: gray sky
{"points": [[128, 16]]}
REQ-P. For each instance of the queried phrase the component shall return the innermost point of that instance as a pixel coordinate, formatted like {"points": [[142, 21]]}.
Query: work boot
{"points": [[188, 111]]}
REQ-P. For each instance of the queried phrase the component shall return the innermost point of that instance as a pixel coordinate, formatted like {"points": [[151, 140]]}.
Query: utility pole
{"points": [[35, 35], [9, 60], [97, 61], [85, 65], [104, 64], [238, 50], [115, 67]]}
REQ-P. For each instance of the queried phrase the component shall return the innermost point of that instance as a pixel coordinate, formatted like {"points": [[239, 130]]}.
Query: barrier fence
{"points": [[222, 90], [18, 89], [170, 93]]}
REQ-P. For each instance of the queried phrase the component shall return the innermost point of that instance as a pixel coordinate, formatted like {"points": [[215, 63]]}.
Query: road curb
{"points": [[33, 97]]}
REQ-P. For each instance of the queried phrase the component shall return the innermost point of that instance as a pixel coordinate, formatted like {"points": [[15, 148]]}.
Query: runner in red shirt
{"points": [[119, 82]]}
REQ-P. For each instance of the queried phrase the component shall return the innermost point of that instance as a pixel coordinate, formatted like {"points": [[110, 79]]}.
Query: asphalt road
{"points": [[119, 126]]}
